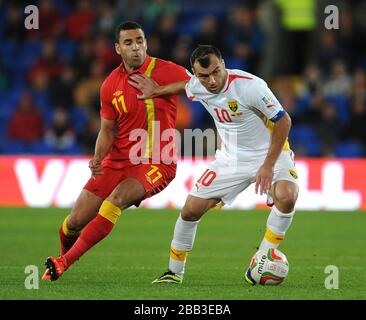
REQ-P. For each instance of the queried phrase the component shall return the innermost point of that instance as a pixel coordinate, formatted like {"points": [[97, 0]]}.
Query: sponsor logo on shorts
{"points": [[293, 173]]}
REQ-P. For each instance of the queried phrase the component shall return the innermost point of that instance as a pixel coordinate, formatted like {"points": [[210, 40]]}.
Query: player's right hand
{"points": [[95, 168], [263, 179], [146, 85]]}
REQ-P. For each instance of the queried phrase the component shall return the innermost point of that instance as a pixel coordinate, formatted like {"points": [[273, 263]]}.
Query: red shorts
{"points": [[154, 178]]}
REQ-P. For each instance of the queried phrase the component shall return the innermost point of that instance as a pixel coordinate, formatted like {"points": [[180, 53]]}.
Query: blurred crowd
{"points": [[50, 78]]}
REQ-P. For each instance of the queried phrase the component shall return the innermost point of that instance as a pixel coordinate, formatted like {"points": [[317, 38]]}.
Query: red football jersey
{"points": [[119, 102]]}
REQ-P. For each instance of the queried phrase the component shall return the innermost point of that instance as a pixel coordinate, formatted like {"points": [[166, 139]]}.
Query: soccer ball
{"points": [[268, 267]]}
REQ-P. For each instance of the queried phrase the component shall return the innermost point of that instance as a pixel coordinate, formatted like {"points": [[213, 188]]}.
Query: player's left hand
{"points": [[263, 179], [95, 168], [144, 84]]}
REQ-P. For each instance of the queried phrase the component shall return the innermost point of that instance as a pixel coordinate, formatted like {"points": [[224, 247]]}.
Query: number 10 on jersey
{"points": [[223, 115]]}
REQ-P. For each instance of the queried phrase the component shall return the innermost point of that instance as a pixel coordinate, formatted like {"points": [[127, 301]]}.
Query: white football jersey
{"points": [[244, 113]]}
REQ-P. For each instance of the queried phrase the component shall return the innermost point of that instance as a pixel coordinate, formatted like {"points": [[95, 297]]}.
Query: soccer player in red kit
{"points": [[119, 178]]}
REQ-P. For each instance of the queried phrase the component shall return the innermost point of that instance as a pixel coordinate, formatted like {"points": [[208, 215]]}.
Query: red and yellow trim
{"points": [[67, 232], [271, 237], [150, 109], [178, 254], [269, 124], [109, 211]]}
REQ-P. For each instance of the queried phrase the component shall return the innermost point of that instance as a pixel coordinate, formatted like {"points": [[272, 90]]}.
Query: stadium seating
{"points": [[305, 137], [18, 56], [349, 149], [341, 104]]}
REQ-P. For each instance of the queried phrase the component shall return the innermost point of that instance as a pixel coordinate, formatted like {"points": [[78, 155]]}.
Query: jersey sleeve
{"points": [[190, 89], [106, 109], [261, 98]]}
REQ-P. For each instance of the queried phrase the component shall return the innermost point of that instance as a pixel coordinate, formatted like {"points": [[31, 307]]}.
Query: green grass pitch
{"points": [[123, 265]]}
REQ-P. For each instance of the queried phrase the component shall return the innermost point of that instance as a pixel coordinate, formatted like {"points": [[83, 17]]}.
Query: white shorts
{"points": [[225, 179]]}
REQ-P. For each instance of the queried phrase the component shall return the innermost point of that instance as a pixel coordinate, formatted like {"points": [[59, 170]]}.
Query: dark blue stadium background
{"points": [[50, 78]]}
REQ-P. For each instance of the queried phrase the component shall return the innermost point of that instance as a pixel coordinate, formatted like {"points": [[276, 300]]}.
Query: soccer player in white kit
{"points": [[253, 127]]}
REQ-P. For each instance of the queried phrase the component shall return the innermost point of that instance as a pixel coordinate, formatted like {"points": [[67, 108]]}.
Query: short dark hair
{"points": [[201, 54], [127, 25]]}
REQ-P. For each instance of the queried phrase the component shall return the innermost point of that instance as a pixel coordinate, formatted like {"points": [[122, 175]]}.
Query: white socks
{"points": [[185, 232], [277, 225], [182, 243]]}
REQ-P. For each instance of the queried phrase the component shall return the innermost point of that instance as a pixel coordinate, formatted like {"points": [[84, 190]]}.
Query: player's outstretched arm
{"points": [[150, 89], [103, 144], [264, 176]]}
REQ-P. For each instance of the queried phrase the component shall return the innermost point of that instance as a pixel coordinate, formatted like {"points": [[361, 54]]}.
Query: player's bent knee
{"points": [[121, 201], [286, 203], [190, 213], [194, 208], [285, 196], [116, 200], [76, 223], [127, 193]]}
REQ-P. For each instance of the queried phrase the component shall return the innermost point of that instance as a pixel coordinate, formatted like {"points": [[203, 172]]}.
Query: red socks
{"points": [[95, 230], [65, 242]]}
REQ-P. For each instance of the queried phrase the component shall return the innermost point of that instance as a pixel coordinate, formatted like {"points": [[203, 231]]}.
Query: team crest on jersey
{"points": [[293, 173], [233, 105]]}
